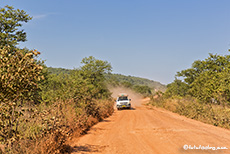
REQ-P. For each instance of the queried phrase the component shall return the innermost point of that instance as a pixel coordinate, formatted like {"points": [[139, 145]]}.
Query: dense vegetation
{"points": [[39, 111], [41, 107], [207, 80], [143, 86], [204, 92], [135, 81]]}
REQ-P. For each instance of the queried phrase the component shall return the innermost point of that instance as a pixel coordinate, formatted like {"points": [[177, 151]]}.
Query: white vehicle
{"points": [[123, 101]]}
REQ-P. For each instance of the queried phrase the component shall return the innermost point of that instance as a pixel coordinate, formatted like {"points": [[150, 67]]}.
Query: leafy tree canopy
{"points": [[11, 20], [214, 63], [177, 88], [93, 72], [209, 79]]}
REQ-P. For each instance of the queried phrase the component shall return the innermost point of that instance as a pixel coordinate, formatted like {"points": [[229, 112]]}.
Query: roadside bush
{"points": [[70, 103], [204, 93], [45, 129], [39, 112], [144, 90], [20, 73], [176, 88], [194, 109], [208, 80]]}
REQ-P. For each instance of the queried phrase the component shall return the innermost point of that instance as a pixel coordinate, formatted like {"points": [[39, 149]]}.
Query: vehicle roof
{"points": [[122, 94]]}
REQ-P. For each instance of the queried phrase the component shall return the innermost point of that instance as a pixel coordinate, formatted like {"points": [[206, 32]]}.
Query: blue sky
{"points": [[153, 39]]}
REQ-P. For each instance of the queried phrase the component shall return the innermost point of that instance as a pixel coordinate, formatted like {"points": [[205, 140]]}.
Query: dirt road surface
{"points": [[151, 131]]}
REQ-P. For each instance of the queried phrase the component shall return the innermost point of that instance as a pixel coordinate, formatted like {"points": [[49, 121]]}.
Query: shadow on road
{"points": [[105, 120], [87, 148], [132, 108]]}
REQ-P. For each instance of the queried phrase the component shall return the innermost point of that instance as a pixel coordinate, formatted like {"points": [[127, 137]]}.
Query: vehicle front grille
{"points": [[124, 103]]}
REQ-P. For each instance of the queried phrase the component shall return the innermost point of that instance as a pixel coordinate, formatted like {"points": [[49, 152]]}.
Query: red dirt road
{"points": [[151, 131]]}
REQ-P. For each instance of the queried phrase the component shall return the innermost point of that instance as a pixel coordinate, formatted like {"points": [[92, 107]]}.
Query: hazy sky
{"points": [[146, 38]]}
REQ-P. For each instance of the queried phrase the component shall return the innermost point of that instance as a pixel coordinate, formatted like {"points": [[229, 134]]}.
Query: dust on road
{"points": [[135, 97]]}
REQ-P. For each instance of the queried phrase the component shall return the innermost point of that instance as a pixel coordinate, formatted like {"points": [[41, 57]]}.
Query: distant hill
{"points": [[119, 78], [136, 81], [59, 70]]}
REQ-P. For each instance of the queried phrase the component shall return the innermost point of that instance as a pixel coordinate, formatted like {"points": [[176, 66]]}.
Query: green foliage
{"points": [[214, 63], [21, 121], [11, 20], [121, 80], [83, 85], [58, 71], [128, 81], [86, 83], [93, 72], [208, 80], [144, 90], [66, 100], [126, 84], [205, 93], [54, 88], [177, 88], [140, 85]]}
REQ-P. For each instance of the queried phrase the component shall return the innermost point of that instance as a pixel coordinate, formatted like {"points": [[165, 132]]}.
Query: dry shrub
{"points": [[73, 124], [171, 105], [187, 106], [105, 108], [47, 128], [54, 143]]}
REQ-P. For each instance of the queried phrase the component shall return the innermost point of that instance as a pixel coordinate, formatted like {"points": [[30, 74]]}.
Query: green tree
{"points": [[93, 72], [209, 79], [93, 84], [214, 63], [177, 88], [127, 84], [11, 21], [85, 83], [54, 87], [145, 90]]}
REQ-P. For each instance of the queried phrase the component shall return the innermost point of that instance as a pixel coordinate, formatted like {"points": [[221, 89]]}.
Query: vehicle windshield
{"points": [[123, 98]]}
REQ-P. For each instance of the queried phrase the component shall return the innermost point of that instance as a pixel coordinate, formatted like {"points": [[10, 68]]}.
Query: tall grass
{"points": [[46, 128]]}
